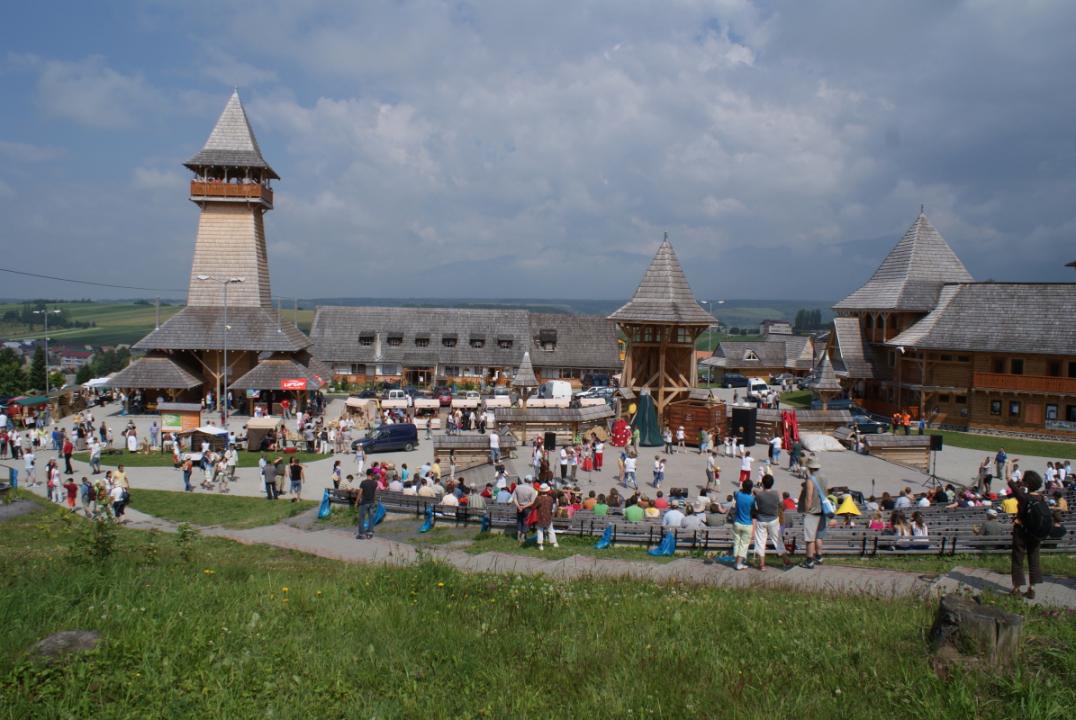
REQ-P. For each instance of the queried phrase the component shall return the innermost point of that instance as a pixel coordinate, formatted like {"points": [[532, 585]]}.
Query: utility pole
{"points": [[222, 405], [157, 312], [45, 312]]}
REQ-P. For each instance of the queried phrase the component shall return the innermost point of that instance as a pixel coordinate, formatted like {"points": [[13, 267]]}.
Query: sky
{"points": [[541, 150]]}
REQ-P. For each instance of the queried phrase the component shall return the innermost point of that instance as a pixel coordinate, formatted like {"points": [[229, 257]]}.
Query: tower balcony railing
{"points": [[237, 192]]}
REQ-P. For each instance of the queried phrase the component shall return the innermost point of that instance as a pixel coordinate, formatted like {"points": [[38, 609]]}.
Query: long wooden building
{"points": [[922, 336], [427, 346]]}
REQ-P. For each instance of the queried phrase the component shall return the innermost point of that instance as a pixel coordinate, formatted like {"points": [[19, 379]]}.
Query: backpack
{"points": [[1037, 519]]}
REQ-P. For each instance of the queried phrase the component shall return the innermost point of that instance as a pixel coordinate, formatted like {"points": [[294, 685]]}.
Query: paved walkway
{"points": [[336, 544]]}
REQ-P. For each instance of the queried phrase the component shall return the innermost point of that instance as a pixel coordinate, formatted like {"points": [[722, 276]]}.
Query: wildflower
{"points": [[284, 589], [440, 584], [318, 593], [207, 571]]}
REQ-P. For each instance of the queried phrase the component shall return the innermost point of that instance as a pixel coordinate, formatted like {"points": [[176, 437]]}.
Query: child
{"points": [[659, 471]]}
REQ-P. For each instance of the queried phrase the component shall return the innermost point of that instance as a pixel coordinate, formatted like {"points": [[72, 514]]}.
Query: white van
{"points": [[757, 387], [555, 390]]}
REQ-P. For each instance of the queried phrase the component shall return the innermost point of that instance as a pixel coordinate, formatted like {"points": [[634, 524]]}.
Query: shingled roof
{"points": [[268, 374], [202, 328], [791, 352], [826, 380], [418, 335], [998, 317], [853, 358], [524, 377], [232, 142], [664, 295], [154, 372], [911, 275]]}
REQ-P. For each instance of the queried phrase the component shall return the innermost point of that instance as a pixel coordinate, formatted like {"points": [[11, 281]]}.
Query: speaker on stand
{"points": [[550, 441], [743, 425]]}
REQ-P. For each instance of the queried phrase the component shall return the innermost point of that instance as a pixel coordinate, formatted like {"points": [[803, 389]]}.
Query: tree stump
{"points": [[977, 631]]}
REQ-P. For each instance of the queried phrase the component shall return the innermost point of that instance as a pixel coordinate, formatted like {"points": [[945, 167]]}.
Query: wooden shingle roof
{"points": [[155, 372], [998, 317], [202, 328], [591, 413], [268, 374], [911, 275], [854, 360], [825, 379], [232, 142], [524, 377], [664, 295]]}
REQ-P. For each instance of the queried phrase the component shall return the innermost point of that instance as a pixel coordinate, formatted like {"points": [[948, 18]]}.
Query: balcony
{"points": [[231, 192], [1025, 383]]}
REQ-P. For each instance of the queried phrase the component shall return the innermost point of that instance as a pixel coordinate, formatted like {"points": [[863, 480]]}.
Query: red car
{"points": [[444, 396]]}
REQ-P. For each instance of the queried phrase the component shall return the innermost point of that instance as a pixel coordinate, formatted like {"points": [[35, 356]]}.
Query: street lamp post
{"points": [[222, 406], [45, 312]]}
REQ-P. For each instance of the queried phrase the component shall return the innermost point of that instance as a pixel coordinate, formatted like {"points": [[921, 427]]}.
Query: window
{"points": [[1072, 369], [1053, 368], [448, 340], [1070, 413], [504, 344], [478, 343], [1016, 366], [1051, 412], [1014, 408], [366, 339], [452, 371], [395, 340], [995, 407], [750, 355], [999, 365], [947, 358], [547, 339], [422, 342], [961, 399], [358, 369], [963, 358], [943, 399], [682, 335]]}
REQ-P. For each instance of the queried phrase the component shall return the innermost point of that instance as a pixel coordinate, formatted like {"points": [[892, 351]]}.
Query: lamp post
{"points": [[45, 312], [222, 406]]}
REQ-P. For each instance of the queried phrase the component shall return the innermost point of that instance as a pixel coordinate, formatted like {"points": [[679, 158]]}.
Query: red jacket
{"points": [[68, 447]]}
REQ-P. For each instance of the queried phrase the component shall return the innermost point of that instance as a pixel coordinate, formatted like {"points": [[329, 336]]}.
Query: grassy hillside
{"points": [[116, 323]]}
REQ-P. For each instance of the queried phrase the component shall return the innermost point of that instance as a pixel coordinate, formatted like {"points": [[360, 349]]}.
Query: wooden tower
{"points": [[660, 324]]}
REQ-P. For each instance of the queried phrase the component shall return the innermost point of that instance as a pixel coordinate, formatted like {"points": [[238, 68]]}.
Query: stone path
{"points": [[337, 544]]}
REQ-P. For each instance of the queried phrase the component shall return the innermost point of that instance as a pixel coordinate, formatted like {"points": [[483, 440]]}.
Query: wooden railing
{"points": [[239, 191], [1025, 383]]}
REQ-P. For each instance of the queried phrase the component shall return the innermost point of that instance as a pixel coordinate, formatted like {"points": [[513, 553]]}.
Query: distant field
{"points": [[117, 323]]}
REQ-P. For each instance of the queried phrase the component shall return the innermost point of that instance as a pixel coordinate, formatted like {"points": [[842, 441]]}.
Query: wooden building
{"points": [[427, 346], [661, 323], [773, 354], [923, 336], [229, 302]]}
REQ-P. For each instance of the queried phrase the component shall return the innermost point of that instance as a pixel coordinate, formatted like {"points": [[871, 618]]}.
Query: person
{"points": [[360, 459], [71, 490], [89, 495], [775, 449], [29, 464], [919, 525], [523, 498], [659, 471], [984, 476], [563, 455], [812, 492], [905, 499], [999, 464], [694, 516], [667, 438], [119, 497], [267, 472], [742, 523], [297, 474], [673, 517], [231, 461], [599, 454], [704, 441], [337, 475], [187, 468], [634, 512], [745, 466], [601, 508], [367, 505], [68, 451], [787, 501], [680, 438], [494, 448], [992, 527], [545, 505], [1026, 537], [629, 471], [1010, 504], [768, 511]]}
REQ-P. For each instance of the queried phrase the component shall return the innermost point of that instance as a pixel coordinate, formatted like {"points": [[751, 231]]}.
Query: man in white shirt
{"points": [[711, 469], [29, 467], [904, 500], [629, 472], [775, 449], [745, 466], [231, 460], [673, 517], [494, 447], [563, 463], [396, 485]]}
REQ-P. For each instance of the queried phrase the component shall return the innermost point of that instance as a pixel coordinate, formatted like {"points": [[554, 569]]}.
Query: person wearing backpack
{"points": [[1032, 525]]}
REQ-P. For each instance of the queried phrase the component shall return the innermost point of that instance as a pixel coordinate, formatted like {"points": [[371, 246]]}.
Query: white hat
{"points": [[544, 487], [992, 512]]}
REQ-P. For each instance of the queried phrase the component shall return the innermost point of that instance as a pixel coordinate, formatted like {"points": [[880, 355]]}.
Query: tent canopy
{"points": [[646, 421]]}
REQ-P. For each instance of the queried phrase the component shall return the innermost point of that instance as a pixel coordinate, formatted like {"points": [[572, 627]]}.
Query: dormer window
{"points": [[478, 342], [750, 355], [504, 343], [395, 340], [448, 340], [366, 339], [422, 340], [547, 339]]}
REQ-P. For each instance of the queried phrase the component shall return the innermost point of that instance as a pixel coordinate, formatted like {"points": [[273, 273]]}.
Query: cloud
{"points": [[28, 152], [145, 178], [226, 69], [90, 92]]}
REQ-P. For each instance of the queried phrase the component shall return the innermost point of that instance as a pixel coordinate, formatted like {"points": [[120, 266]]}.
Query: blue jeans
{"points": [[494, 454], [187, 480], [629, 476], [366, 519]]}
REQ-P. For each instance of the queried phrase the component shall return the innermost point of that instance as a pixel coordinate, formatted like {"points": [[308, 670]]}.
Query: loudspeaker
{"points": [[550, 441], [744, 417], [935, 442]]}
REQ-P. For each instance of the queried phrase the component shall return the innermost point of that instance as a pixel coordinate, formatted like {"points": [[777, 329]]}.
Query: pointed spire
{"points": [[232, 142], [827, 379], [664, 295], [524, 377], [912, 274]]}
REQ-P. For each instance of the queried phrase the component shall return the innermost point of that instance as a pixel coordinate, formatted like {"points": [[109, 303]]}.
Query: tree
{"points": [[12, 374], [84, 374], [37, 369]]}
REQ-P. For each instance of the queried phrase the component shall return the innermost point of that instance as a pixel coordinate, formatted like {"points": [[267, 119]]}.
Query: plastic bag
{"points": [[427, 524], [606, 539], [666, 547], [326, 508]]}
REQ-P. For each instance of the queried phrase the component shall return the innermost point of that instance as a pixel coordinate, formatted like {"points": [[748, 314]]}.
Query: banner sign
{"points": [[293, 384]]}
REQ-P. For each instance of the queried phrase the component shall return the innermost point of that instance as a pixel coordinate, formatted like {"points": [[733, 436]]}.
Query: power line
{"points": [[87, 282]]}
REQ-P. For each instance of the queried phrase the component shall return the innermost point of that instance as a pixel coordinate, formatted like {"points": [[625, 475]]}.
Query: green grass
{"points": [[252, 632], [1015, 447], [798, 398], [1052, 563], [246, 459], [116, 323], [206, 509]]}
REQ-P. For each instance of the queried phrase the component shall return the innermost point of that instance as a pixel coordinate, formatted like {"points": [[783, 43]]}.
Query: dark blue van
{"points": [[399, 436]]}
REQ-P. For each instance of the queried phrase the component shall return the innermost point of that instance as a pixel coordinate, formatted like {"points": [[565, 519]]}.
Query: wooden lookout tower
{"points": [[661, 323]]}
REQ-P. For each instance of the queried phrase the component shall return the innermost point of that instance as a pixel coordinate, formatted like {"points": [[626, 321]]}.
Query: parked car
{"points": [[555, 390], [834, 404], [757, 388], [734, 380], [869, 425], [507, 392], [444, 395], [399, 436]]}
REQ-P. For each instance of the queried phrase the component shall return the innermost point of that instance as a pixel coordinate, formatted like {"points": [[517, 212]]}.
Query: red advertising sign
{"points": [[293, 384]]}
